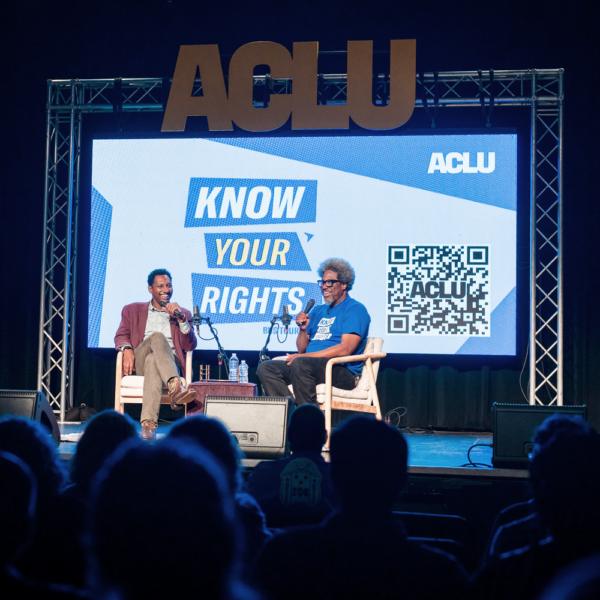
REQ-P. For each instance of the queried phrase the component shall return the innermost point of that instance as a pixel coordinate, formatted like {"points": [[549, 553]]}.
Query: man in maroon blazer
{"points": [[152, 336]]}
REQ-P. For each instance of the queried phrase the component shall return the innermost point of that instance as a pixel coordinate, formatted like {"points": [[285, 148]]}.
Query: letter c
{"points": [[458, 157], [241, 85], [428, 287]]}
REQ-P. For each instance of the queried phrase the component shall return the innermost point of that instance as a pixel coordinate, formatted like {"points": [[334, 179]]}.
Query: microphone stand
{"points": [[262, 355], [222, 356]]}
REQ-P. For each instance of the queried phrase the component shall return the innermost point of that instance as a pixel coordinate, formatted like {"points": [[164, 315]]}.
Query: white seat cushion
{"points": [[351, 395], [132, 386], [132, 381]]}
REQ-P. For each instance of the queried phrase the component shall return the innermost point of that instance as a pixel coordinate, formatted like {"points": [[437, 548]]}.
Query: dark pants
{"points": [[304, 374]]}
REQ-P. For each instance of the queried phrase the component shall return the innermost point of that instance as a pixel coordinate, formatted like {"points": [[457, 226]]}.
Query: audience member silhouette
{"points": [[297, 489], [163, 525], [53, 555], [31, 443], [579, 581], [359, 551], [18, 498], [212, 435], [564, 474], [104, 433]]}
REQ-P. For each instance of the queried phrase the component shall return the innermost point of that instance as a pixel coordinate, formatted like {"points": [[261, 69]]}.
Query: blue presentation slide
{"points": [[428, 223]]}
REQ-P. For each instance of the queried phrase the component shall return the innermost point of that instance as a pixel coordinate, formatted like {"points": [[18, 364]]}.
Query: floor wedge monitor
{"points": [[31, 404], [513, 426], [258, 422]]}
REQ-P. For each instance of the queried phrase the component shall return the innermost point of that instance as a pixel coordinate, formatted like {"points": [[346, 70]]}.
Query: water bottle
{"points": [[233, 368], [243, 372]]}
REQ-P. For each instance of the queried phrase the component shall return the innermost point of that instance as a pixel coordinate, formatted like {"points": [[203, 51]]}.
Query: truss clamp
{"points": [[436, 97], [487, 113]]}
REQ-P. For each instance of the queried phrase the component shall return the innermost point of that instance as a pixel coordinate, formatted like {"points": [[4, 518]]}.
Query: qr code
{"points": [[438, 290]]}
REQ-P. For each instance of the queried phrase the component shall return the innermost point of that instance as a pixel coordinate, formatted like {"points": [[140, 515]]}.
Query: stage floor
{"points": [[432, 453]]}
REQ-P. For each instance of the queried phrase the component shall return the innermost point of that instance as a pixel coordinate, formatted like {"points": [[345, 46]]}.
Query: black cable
{"points": [[521, 375], [207, 339], [281, 341], [391, 413], [417, 430], [476, 464]]}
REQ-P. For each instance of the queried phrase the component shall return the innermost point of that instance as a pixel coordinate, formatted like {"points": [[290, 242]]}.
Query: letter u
{"points": [[265, 253], [463, 289]]}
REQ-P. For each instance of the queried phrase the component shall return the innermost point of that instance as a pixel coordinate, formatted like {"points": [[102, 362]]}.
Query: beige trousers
{"points": [[155, 360]]}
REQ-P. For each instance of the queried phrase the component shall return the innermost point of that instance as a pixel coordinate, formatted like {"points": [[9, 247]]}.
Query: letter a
{"points": [[213, 102], [437, 163]]}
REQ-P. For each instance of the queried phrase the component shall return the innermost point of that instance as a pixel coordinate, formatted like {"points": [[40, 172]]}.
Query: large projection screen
{"points": [[427, 221]]}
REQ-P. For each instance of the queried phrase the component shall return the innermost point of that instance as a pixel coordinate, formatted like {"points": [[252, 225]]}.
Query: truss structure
{"points": [[69, 100]]}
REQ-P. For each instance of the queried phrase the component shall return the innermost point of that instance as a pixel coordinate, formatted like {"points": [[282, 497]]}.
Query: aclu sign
{"points": [[222, 107]]}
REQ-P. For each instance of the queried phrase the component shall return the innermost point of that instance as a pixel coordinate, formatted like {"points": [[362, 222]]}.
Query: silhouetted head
{"points": [[579, 581], [565, 476], [161, 524], [307, 429], [31, 443], [104, 433], [368, 464], [18, 493], [213, 436]]}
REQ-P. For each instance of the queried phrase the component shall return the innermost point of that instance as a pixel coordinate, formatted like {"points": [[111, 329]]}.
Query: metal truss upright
{"points": [[59, 254], [540, 90], [546, 244]]}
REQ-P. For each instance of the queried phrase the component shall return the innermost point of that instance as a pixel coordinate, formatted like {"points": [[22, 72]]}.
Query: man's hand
{"points": [[128, 361], [171, 308], [289, 358], [302, 320]]}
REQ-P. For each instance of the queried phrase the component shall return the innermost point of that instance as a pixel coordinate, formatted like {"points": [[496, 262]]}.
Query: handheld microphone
{"points": [[309, 306], [286, 318], [176, 312]]}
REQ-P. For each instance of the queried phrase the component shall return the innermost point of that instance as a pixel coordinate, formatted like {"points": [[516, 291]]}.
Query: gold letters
{"points": [[220, 111]]}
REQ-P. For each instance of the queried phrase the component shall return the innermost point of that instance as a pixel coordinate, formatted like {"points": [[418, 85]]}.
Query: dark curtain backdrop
{"points": [[52, 39]]}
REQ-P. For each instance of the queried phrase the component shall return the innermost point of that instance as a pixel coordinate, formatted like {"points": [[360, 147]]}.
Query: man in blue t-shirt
{"points": [[339, 327]]}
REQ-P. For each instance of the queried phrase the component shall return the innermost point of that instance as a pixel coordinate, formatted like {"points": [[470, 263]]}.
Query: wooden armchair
{"points": [[130, 389], [363, 398]]}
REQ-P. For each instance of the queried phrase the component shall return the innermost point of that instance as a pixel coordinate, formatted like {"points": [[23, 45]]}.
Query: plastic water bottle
{"points": [[233, 368], [243, 372]]}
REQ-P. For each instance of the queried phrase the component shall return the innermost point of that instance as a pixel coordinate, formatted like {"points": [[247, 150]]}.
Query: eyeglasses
{"points": [[328, 282]]}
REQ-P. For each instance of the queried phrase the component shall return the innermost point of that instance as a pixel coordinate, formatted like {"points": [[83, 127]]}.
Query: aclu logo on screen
{"points": [[227, 299], [275, 251], [460, 162], [216, 202]]}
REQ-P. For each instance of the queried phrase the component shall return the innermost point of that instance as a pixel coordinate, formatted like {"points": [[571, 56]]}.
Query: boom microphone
{"points": [[286, 318], [176, 312]]}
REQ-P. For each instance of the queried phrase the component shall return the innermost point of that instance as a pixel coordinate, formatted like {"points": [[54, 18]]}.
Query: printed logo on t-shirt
{"points": [[324, 329], [300, 483]]}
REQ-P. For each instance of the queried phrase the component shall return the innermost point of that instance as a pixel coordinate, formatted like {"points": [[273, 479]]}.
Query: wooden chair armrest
{"points": [[118, 377], [356, 358], [189, 374]]}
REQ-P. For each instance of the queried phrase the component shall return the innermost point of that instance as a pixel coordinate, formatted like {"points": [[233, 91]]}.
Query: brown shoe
{"points": [[178, 394], [149, 431]]}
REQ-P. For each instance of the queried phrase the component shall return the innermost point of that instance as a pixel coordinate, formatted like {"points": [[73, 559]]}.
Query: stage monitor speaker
{"points": [[31, 404], [513, 428], [259, 423]]}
